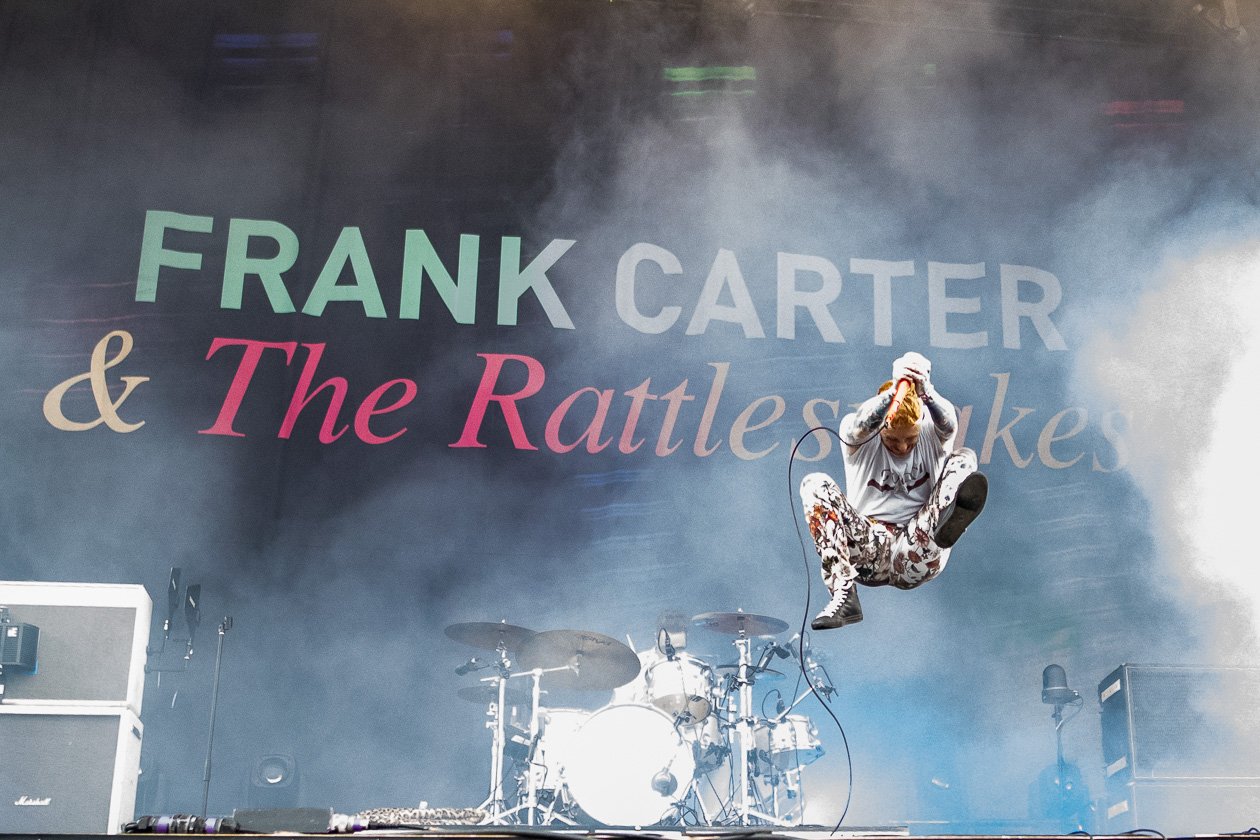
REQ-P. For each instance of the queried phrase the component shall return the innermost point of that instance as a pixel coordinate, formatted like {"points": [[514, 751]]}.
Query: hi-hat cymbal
{"points": [[755, 674], [740, 623], [487, 635], [598, 661], [486, 694]]}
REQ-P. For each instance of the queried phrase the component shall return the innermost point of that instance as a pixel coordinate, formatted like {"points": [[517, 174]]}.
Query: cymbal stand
{"points": [[720, 813], [495, 801], [744, 812], [790, 808], [689, 799], [820, 683], [530, 805]]}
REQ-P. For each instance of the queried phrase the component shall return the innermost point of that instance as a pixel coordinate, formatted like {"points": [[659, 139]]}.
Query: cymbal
{"points": [[485, 694], [600, 662], [758, 674], [488, 634], [740, 623]]}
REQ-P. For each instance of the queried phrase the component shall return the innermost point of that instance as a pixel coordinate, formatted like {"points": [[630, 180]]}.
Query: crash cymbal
{"points": [[599, 661], [740, 623], [485, 694], [488, 634]]}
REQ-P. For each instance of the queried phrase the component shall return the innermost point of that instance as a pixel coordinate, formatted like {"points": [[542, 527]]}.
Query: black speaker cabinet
{"points": [[68, 769], [1181, 748], [1181, 808], [91, 645]]}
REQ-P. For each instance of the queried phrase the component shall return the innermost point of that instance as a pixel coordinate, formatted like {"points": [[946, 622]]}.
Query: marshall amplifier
{"points": [[91, 642], [68, 769]]}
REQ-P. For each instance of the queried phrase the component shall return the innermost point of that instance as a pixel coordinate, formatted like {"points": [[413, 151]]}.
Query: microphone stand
{"points": [[530, 805], [1060, 771], [1061, 781], [224, 626]]}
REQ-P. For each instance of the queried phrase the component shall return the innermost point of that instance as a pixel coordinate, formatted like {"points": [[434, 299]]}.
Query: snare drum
{"points": [[682, 686]]}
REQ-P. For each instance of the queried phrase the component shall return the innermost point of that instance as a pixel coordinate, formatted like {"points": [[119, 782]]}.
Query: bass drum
{"points": [[612, 760]]}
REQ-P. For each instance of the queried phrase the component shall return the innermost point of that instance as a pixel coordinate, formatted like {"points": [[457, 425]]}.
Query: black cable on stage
{"points": [[809, 591]]}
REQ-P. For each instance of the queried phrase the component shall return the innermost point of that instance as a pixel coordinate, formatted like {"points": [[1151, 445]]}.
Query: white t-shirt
{"points": [[891, 489]]}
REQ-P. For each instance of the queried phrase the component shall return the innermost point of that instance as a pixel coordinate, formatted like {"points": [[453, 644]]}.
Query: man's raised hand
{"points": [[916, 368]]}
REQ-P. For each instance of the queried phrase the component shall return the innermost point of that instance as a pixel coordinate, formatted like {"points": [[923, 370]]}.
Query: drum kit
{"points": [[681, 743]]}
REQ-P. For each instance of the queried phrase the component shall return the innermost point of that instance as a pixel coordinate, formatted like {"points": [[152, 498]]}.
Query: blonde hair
{"points": [[911, 410]]}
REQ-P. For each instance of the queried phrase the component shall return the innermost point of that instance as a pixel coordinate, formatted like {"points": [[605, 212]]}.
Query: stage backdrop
{"points": [[377, 317]]}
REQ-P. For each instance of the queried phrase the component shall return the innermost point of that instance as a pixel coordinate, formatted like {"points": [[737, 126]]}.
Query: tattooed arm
{"points": [[944, 416], [862, 425]]}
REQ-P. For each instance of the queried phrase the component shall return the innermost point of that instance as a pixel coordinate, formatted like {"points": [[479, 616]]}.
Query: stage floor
{"points": [[464, 832], [692, 833]]}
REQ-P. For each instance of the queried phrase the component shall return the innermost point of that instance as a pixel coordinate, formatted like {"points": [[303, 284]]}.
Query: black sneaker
{"points": [[841, 610], [967, 505]]}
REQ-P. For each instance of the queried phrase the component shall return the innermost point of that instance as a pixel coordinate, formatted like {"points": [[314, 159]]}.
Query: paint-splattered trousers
{"points": [[855, 547]]}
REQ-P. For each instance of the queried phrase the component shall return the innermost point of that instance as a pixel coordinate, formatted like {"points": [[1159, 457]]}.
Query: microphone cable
{"points": [[809, 591]]}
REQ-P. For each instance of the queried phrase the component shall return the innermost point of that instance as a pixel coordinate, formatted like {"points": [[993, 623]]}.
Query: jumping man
{"points": [[911, 495]]}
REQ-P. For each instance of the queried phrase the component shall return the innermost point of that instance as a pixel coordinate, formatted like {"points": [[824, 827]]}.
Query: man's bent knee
{"points": [[813, 488], [963, 459]]}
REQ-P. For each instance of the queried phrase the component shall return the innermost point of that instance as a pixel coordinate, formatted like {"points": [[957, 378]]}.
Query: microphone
{"points": [[1054, 687], [670, 653], [172, 602], [471, 665], [899, 394], [664, 782]]}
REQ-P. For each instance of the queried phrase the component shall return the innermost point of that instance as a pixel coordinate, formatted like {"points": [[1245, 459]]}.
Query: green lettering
{"points": [[238, 263], [419, 258], [348, 249], [153, 255]]}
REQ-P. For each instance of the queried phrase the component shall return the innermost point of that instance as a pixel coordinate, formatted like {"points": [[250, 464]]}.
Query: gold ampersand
{"points": [[100, 390]]}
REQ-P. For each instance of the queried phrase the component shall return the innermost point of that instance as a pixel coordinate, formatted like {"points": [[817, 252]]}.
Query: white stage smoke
{"points": [[1184, 368], [1223, 490]]}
